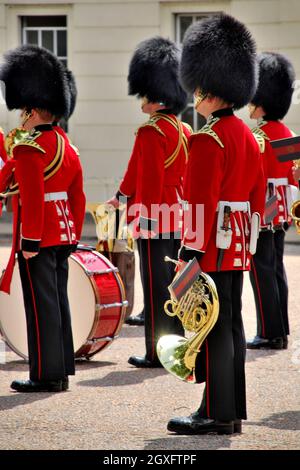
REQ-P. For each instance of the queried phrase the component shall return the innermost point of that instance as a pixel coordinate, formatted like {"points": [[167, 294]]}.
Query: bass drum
{"points": [[97, 304]]}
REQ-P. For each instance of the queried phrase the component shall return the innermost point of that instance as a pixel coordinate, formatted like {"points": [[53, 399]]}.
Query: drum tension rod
{"points": [[104, 338], [116, 304]]}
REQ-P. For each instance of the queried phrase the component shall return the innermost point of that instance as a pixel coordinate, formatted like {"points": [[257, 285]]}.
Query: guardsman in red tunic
{"points": [[268, 278], [153, 182], [225, 183], [49, 207]]}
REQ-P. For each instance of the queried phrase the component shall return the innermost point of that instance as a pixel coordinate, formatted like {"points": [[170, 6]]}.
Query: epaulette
{"points": [[30, 142], [260, 132], [261, 142], [207, 129], [152, 123]]}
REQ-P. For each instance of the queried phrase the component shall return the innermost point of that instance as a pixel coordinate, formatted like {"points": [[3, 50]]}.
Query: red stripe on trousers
{"points": [[207, 381], [36, 323], [151, 298], [259, 299]]}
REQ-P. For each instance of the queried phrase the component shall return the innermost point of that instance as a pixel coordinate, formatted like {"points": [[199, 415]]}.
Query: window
{"points": [[183, 21], [49, 32]]}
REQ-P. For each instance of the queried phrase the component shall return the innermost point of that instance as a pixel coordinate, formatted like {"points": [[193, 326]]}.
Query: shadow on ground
{"points": [[8, 402], [207, 442], [287, 421], [123, 378]]}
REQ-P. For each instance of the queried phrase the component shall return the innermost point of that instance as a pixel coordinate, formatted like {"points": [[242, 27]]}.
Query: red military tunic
{"points": [[153, 178], [51, 212], [224, 165], [277, 173]]}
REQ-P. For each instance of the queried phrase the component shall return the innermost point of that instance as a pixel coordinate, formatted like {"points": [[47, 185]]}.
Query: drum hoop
{"points": [[10, 345], [97, 297]]}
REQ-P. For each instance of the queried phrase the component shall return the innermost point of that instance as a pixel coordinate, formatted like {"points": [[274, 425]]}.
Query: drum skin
{"points": [[97, 303]]}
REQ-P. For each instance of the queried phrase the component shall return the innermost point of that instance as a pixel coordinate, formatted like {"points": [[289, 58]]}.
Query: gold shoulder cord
{"points": [[182, 139], [207, 129]]}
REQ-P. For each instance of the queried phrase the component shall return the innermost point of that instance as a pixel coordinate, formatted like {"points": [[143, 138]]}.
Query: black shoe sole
{"points": [[267, 346], [220, 430], [32, 390]]}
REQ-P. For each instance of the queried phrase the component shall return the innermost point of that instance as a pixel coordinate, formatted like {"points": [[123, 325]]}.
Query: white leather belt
{"points": [[234, 206], [59, 196], [278, 181]]}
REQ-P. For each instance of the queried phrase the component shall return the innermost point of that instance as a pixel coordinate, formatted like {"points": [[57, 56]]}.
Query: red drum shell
{"points": [[110, 303]]}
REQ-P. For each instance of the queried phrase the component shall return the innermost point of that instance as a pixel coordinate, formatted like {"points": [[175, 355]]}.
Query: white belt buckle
{"points": [[56, 196]]}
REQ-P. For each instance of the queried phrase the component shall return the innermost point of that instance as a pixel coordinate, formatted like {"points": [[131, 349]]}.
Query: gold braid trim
{"points": [[151, 123], [261, 142], [207, 129], [29, 142], [182, 139]]}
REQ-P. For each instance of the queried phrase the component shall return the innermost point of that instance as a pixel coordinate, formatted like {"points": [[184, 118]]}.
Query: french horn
{"points": [[198, 311]]}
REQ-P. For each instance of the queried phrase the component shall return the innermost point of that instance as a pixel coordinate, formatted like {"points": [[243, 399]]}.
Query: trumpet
{"points": [[198, 310]]}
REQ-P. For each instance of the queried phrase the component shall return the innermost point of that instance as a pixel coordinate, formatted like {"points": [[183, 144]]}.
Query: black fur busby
{"points": [[275, 86], [35, 78], [72, 90], [153, 73], [219, 57]]}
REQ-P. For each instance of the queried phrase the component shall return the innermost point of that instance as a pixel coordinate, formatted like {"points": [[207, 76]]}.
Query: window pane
{"points": [[38, 21], [32, 37], [185, 22], [62, 43], [188, 116], [47, 40]]}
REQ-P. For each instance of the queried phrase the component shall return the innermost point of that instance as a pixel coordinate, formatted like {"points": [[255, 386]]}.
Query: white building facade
{"points": [[96, 39]]}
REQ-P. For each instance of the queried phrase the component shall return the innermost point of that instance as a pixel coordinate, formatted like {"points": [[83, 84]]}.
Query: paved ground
{"points": [[112, 405]]}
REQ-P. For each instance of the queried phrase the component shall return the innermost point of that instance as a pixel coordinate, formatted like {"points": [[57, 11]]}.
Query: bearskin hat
{"points": [[219, 57], [153, 73], [72, 90], [275, 86], [35, 78]]}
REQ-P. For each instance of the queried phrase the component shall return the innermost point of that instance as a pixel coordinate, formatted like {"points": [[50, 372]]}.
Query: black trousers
{"points": [[156, 276], [44, 281], [269, 285], [221, 362]]}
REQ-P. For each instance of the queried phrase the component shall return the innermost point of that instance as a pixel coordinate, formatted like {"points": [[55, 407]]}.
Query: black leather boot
{"points": [[195, 425], [142, 362], [264, 343], [30, 386]]}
